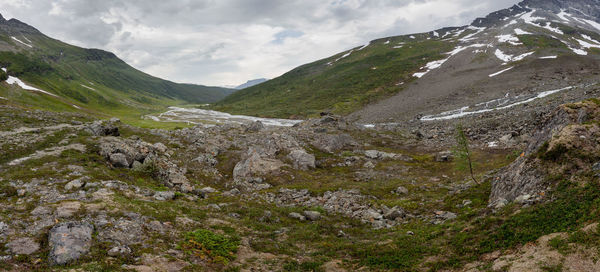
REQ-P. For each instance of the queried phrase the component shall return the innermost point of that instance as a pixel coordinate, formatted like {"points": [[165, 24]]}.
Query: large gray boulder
{"points": [[100, 128], [69, 242], [255, 168], [302, 160], [331, 143]]}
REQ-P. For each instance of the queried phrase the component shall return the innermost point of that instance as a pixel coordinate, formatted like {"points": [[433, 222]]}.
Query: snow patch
{"points": [[549, 57], [14, 38], [438, 63], [2, 98], [509, 39], [563, 15], [13, 80], [587, 45], [412, 37], [462, 112], [519, 31], [472, 35], [87, 87], [435, 34], [505, 70], [509, 58]]}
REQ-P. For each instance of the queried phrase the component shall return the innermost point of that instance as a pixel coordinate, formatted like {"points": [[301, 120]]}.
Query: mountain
{"points": [[515, 51], [251, 83], [90, 79]]}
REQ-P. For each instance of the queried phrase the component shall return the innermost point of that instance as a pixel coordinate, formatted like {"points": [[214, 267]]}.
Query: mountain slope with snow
{"points": [[65, 77], [532, 47]]}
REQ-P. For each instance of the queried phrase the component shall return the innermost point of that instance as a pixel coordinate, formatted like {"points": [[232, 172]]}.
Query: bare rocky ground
{"points": [[78, 194]]}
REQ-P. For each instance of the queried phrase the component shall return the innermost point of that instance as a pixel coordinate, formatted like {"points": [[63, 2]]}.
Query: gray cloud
{"points": [[226, 42]]}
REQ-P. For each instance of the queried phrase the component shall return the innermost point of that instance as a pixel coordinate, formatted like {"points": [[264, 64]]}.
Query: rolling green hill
{"points": [[88, 79]]}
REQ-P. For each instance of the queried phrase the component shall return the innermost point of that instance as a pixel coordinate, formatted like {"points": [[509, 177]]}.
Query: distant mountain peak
{"points": [[2, 18], [251, 83]]}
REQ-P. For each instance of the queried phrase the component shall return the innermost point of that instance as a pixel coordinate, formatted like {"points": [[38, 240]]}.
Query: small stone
{"points": [[232, 192], [162, 196], [500, 203], [312, 215], [401, 190], [341, 234], [214, 207], [208, 190], [522, 199], [298, 216], [255, 127], [443, 215], [119, 251], [394, 213], [369, 165], [160, 147], [444, 156], [137, 166], [75, 184], [23, 246], [119, 160], [410, 233], [3, 227]]}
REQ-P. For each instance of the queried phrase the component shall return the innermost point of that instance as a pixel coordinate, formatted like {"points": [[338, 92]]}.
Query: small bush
{"points": [[3, 76], [204, 243]]}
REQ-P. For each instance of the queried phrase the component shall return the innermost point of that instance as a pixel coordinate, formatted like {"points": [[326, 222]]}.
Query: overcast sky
{"points": [[226, 42]]}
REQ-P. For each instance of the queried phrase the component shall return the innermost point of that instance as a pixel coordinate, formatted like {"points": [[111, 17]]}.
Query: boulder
{"points": [[119, 160], [297, 216], [255, 127], [312, 215], [162, 196], [302, 160], [75, 184], [332, 143], [119, 251], [23, 246], [401, 190], [69, 242], [394, 213], [254, 168], [100, 128], [444, 156]]}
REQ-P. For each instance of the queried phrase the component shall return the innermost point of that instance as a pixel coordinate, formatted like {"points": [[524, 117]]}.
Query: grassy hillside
{"points": [[91, 79], [378, 70]]}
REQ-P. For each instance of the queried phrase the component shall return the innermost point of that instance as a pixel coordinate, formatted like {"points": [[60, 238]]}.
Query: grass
{"points": [[348, 84]]}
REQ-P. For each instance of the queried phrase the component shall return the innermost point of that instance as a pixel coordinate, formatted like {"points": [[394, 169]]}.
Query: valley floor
{"points": [[78, 194]]}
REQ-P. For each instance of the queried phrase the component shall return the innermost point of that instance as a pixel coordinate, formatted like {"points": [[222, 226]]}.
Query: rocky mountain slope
{"points": [[55, 75], [513, 54]]}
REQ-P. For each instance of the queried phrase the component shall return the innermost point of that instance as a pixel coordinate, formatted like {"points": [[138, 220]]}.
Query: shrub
{"points": [[204, 243]]}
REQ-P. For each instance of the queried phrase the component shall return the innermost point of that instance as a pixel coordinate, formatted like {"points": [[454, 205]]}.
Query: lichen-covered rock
{"points": [[23, 246], [301, 159], [69, 242], [557, 133], [250, 172], [332, 143]]}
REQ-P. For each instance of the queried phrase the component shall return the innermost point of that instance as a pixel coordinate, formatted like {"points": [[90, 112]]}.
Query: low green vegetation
{"points": [[204, 243], [341, 86]]}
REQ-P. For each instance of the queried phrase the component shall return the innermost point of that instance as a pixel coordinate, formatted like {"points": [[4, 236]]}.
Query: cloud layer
{"points": [[226, 42]]}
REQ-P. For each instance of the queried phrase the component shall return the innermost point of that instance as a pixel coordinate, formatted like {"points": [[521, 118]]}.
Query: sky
{"points": [[227, 42]]}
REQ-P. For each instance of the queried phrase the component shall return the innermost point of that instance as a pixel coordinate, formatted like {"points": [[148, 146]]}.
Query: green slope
{"points": [[341, 86], [91, 79]]}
